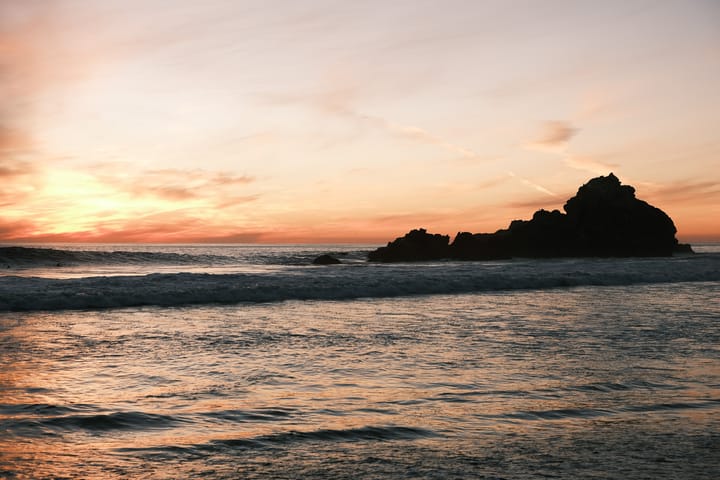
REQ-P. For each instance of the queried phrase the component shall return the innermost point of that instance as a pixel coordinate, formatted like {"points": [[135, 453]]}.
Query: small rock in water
{"points": [[326, 260]]}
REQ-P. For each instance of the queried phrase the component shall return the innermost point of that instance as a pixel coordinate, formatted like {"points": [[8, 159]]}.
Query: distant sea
{"points": [[246, 361]]}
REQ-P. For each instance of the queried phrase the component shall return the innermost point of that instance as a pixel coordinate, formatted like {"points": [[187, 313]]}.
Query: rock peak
{"points": [[598, 192]]}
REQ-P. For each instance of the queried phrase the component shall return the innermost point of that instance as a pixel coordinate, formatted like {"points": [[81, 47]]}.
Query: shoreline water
{"points": [[591, 381], [233, 276]]}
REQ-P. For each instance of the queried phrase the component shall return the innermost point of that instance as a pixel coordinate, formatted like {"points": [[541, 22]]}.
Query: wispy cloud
{"points": [[196, 174], [229, 179], [588, 164], [554, 137], [534, 185], [414, 218], [10, 169], [686, 191], [11, 229], [166, 227], [338, 102], [533, 203], [174, 184], [13, 140], [236, 200], [412, 132]]}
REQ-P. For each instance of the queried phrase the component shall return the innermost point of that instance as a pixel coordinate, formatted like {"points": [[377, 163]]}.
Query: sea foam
{"points": [[346, 282]]}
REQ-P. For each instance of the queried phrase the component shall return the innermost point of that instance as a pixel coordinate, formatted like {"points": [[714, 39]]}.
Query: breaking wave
{"points": [[346, 282]]}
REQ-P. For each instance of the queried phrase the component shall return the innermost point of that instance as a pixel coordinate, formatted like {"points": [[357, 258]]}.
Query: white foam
{"points": [[346, 282]]}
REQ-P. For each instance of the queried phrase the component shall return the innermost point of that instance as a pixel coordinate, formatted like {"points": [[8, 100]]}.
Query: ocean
{"points": [[245, 361]]}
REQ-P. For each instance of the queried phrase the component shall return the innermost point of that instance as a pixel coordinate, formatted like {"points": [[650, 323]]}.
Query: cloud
{"points": [[12, 229], [419, 135], [11, 169], [554, 137], [588, 164], [177, 226], [424, 136], [237, 237], [470, 187], [173, 184], [168, 192], [12, 139], [410, 218], [227, 179], [534, 185], [18, 176], [687, 191], [219, 178], [168, 232], [234, 201], [537, 203], [338, 102]]}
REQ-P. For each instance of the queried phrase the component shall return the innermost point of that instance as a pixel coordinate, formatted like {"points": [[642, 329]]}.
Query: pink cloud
{"points": [[554, 136]]}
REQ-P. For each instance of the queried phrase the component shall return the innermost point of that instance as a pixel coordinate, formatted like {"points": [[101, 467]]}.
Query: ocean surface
{"points": [[210, 361]]}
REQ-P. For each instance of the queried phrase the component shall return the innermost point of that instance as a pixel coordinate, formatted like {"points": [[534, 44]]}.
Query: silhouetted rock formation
{"points": [[326, 260], [415, 245], [480, 246], [683, 248], [604, 219]]}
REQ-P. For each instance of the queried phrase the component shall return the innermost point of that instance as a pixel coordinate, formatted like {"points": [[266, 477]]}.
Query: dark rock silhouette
{"points": [[604, 219], [326, 260], [415, 245], [683, 248], [480, 246]]}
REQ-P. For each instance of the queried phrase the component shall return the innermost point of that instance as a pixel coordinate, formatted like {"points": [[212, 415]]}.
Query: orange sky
{"points": [[283, 121]]}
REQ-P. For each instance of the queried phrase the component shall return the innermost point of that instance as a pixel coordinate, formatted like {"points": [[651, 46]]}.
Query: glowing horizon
{"points": [[279, 122]]}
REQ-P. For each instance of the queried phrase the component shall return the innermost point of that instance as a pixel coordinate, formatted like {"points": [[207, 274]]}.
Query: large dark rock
{"points": [[604, 219], [548, 234], [610, 221], [480, 246], [414, 246]]}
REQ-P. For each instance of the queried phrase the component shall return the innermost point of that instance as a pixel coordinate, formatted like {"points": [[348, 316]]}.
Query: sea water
{"points": [[247, 362]]}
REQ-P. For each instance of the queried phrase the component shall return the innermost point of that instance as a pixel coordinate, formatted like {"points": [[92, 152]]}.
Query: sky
{"points": [[286, 121]]}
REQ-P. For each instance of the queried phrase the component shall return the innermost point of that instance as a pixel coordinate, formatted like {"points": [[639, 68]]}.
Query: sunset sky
{"points": [[338, 121]]}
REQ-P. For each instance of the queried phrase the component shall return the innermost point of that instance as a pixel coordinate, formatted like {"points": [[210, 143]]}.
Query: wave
{"points": [[42, 257], [99, 422], [359, 434], [331, 435], [258, 415], [346, 282], [582, 413], [14, 409]]}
